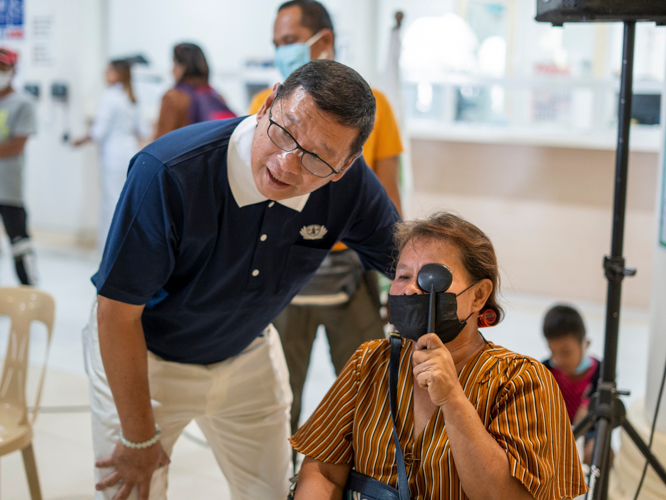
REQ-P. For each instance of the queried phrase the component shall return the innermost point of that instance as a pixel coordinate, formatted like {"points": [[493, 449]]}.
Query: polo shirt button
{"points": [[255, 272], [270, 205], [263, 237]]}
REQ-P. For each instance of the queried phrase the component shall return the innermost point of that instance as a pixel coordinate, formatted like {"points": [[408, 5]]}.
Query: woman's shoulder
{"points": [[113, 92], [381, 347], [373, 351], [372, 358], [177, 102], [176, 93], [117, 94], [514, 364]]}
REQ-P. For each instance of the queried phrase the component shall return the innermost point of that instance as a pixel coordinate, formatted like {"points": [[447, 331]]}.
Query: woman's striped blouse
{"points": [[517, 400]]}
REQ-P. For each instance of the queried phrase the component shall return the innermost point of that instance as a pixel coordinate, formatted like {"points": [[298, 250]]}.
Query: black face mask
{"points": [[409, 315]]}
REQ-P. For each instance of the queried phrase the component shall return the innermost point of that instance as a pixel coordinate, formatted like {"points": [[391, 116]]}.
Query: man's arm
{"points": [[13, 146], [125, 357], [388, 173], [124, 354], [370, 233]]}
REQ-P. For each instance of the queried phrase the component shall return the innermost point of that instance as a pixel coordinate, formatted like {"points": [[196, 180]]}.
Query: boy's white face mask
{"points": [[6, 78]]}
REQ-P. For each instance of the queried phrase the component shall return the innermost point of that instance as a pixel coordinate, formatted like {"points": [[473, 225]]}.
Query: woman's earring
{"points": [[487, 318]]}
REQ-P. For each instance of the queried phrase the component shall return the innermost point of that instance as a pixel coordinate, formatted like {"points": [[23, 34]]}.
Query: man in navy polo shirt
{"points": [[218, 227]]}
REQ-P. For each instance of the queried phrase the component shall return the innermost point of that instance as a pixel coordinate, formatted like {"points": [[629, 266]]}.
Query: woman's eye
{"points": [[403, 277]]}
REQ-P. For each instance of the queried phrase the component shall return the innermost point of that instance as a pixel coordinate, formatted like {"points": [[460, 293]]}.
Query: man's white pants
{"points": [[241, 405]]}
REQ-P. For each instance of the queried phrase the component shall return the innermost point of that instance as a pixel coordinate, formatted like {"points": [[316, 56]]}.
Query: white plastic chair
{"points": [[23, 305]]}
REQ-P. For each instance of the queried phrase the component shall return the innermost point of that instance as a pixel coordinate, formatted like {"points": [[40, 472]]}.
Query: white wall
{"points": [[230, 33], [60, 182], [412, 9], [657, 351]]}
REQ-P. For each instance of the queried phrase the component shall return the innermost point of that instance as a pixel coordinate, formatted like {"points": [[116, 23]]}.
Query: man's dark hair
{"points": [[193, 59], [314, 15], [338, 90], [563, 321]]}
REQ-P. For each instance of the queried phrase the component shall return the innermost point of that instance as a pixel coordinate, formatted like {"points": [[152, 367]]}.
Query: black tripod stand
{"points": [[606, 410]]}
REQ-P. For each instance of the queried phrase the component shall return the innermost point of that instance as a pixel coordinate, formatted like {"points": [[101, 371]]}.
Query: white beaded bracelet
{"points": [[145, 444]]}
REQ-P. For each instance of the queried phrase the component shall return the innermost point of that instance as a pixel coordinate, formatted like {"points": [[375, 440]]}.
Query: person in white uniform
{"points": [[117, 128]]}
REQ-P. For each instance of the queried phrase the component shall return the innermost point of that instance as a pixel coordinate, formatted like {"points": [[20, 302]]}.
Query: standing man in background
{"points": [[17, 122], [339, 296]]}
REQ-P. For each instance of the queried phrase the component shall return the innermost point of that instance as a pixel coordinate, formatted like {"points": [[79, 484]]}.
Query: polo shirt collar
{"points": [[239, 169]]}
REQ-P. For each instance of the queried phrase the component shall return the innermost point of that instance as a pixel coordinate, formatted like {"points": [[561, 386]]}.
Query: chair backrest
{"points": [[23, 305]]}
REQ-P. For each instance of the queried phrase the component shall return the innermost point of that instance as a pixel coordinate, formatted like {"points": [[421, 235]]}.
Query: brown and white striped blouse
{"points": [[516, 397]]}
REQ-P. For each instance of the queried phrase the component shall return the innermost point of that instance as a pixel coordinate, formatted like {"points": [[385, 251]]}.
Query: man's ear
{"points": [[345, 167], [327, 42], [267, 103]]}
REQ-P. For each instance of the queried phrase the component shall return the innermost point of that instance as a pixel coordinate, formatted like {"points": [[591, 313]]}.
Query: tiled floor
{"points": [[63, 442]]}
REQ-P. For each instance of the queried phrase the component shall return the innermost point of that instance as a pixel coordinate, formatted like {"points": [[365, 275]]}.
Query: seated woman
{"points": [[475, 420]]}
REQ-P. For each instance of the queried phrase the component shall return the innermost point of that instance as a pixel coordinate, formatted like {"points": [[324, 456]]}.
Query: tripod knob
{"points": [[615, 270]]}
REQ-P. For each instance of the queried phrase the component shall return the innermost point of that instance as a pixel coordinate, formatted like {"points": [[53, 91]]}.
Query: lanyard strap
{"points": [[394, 372]]}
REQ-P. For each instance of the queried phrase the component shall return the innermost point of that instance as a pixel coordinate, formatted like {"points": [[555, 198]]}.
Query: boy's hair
{"points": [[563, 321]]}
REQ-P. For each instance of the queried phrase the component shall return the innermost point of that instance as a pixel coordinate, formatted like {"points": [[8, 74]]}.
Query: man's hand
{"points": [[435, 370], [133, 467]]}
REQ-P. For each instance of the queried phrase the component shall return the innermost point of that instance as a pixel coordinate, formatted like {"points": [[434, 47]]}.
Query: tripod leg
{"points": [[583, 426], [599, 468], [645, 450]]}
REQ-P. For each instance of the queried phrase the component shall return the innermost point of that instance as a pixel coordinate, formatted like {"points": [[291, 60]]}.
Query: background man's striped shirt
{"points": [[516, 397]]}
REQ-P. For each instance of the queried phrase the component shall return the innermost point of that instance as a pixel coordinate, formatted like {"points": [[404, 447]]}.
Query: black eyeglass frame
{"points": [[271, 122]]}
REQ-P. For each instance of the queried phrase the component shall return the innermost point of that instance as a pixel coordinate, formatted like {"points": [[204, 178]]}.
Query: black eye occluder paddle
{"points": [[434, 279]]}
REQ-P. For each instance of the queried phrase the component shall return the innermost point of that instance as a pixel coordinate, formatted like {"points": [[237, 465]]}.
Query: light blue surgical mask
{"points": [[288, 58], [584, 365]]}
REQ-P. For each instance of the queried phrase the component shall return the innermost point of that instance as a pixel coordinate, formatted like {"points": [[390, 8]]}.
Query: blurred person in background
{"points": [[117, 128], [192, 100], [576, 372], [17, 122], [340, 296]]}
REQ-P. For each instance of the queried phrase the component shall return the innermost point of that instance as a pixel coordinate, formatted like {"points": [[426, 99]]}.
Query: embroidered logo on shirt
{"points": [[313, 232]]}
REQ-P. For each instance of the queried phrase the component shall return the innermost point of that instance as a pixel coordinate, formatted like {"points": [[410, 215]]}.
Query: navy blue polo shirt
{"points": [[214, 271]]}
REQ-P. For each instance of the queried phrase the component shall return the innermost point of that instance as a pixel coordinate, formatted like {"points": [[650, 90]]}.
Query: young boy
{"points": [[576, 373], [17, 122]]}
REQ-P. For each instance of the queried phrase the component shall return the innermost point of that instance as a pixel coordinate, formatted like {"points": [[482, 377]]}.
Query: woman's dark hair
{"points": [[314, 15], [124, 72], [563, 321], [193, 59], [477, 254], [338, 90]]}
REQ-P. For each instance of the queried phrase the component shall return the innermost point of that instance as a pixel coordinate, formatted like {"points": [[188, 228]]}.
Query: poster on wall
{"points": [[11, 19]]}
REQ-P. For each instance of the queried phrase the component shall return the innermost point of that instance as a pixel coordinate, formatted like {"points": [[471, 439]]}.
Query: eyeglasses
{"points": [[285, 141]]}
